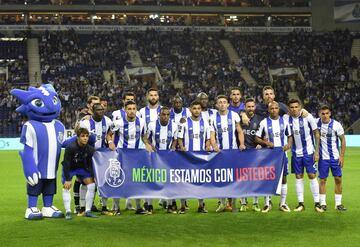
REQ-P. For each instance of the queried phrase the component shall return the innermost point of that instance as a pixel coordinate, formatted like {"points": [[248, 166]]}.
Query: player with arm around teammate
{"points": [[272, 133], [304, 152]]}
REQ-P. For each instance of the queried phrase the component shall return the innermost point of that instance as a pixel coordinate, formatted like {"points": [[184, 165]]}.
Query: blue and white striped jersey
{"points": [[162, 136], [46, 139], [130, 133], [224, 127], [150, 115], [302, 130], [194, 134], [275, 131], [100, 129], [329, 139]]}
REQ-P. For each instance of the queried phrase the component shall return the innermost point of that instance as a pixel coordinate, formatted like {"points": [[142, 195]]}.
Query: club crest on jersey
{"points": [[229, 121], [301, 124], [104, 129], [114, 174], [169, 134], [137, 128], [60, 137], [202, 128]]}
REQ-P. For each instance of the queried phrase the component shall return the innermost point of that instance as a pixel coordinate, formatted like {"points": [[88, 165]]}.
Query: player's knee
{"points": [[311, 175], [299, 176], [338, 180]]}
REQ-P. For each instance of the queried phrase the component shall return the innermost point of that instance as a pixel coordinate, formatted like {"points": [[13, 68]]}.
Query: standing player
{"points": [[86, 113], [272, 133], [194, 135], [77, 162], [131, 131], [116, 115], [128, 96], [235, 100], [206, 112], [226, 128], [99, 126], [330, 156], [178, 111], [250, 133], [151, 112], [161, 134], [303, 150]]}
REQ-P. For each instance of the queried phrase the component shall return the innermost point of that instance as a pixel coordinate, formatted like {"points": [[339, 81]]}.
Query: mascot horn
{"points": [[43, 137]]}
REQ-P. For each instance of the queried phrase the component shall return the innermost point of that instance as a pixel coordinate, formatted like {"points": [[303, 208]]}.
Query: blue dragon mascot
{"points": [[43, 137]]}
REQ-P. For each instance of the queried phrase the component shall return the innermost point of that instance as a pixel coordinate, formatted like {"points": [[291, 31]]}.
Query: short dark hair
{"points": [[130, 102], [273, 102], [177, 97], [195, 102], [324, 107], [151, 90], [103, 99], [235, 88], [128, 94], [164, 108], [268, 87], [221, 96], [292, 101], [80, 131], [249, 100]]}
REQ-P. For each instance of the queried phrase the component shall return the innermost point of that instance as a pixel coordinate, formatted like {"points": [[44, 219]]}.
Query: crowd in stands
{"points": [[75, 64], [13, 72], [156, 20], [243, 3]]}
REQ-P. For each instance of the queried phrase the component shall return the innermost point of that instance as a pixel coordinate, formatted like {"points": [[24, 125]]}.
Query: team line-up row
{"points": [[232, 125]]}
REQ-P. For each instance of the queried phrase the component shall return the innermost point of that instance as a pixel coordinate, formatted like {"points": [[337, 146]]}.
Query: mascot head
{"points": [[40, 104]]}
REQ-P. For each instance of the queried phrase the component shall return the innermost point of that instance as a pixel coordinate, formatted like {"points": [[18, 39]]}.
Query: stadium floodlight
{"points": [[153, 16]]}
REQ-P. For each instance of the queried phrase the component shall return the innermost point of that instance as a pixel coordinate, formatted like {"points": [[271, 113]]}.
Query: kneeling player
{"points": [[77, 162]]}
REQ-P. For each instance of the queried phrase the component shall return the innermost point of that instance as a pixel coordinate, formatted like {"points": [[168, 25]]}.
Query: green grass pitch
{"points": [[225, 229]]}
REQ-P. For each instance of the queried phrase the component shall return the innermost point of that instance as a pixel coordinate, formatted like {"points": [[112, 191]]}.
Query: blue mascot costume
{"points": [[43, 137]]}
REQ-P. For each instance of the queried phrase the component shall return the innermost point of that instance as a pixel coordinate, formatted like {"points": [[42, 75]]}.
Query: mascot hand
{"points": [[31, 171]]}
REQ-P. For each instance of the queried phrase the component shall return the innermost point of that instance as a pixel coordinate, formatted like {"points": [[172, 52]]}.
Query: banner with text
{"points": [[347, 11], [172, 174]]}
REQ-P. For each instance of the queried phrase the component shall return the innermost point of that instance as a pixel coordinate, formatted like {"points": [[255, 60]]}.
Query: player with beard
{"points": [[132, 135], [250, 133], [235, 100], [151, 112], [116, 115]]}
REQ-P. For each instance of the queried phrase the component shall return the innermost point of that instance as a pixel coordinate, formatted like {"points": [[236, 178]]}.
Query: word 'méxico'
{"points": [[217, 175]]}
